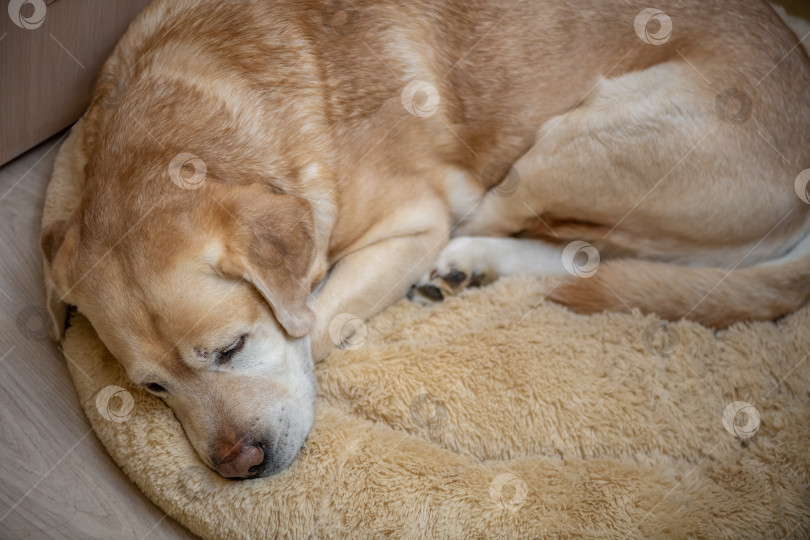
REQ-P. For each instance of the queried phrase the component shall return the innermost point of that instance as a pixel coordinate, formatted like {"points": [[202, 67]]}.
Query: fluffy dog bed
{"points": [[497, 414]]}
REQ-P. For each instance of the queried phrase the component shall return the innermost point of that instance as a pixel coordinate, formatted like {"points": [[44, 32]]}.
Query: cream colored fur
{"points": [[545, 424], [608, 439]]}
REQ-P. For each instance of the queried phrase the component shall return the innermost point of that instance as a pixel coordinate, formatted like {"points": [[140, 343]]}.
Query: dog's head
{"points": [[202, 296]]}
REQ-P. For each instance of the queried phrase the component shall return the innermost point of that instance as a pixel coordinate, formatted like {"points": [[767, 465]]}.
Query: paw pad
{"points": [[454, 278], [441, 286], [431, 292]]}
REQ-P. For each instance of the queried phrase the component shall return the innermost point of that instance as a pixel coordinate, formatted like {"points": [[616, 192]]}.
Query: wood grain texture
{"points": [[56, 479]]}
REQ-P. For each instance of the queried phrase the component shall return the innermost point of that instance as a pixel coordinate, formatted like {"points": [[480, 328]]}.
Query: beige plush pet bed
{"points": [[498, 414]]}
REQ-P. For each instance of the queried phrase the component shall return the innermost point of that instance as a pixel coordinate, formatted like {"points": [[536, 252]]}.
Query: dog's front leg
{"points": [[370, 279]]}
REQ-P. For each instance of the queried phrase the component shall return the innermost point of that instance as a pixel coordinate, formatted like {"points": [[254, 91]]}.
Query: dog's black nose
{"points": [[238, 459]]}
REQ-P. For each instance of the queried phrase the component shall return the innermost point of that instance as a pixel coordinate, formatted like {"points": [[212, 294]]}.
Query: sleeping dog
{"points": [[252, 170]]}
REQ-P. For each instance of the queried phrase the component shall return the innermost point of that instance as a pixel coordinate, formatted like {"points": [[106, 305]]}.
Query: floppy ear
{"points": [[56, 258], [272, 246]]}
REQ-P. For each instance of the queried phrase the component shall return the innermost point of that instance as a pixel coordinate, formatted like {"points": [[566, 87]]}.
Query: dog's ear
{"points": [[272, 245], [58, 243]]}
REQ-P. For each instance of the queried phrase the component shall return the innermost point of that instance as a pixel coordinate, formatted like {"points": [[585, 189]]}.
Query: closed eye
{"points": [[155, 387], [225, 354]]}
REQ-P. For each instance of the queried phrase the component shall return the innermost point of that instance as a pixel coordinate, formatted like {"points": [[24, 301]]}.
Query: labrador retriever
{"points": [[254, 169]]}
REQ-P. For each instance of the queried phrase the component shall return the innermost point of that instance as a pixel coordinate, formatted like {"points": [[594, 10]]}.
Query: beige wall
{"points": [[47, 72]]}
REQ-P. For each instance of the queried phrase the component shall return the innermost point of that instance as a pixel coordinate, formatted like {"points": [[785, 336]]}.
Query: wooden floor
{"points": [[56, 479]]}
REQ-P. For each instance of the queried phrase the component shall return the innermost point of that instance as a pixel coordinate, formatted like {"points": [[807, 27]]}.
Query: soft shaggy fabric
{"points": [[498, 414]]}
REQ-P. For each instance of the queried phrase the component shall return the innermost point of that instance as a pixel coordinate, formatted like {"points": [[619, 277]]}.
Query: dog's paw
{"points": [[463, 263]]}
